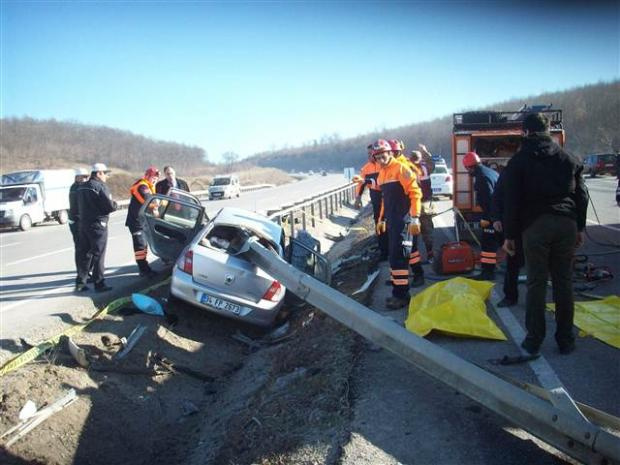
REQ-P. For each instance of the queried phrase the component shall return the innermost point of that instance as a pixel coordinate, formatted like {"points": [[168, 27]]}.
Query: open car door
{"points": [[171, 223], [179, 194]]}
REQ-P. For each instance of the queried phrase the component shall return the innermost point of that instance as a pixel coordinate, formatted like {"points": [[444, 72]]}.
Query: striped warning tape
{"points": [[34, 352]]}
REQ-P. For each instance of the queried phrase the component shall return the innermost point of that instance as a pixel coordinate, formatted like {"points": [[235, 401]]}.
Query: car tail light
{"points": [[274, 292], [448, 178], [188, 262]]}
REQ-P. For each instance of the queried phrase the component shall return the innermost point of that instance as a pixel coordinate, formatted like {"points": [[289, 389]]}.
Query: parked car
{"points": [[438, 160], [209, 272], [441, 181], [600, 163], [224, 186]]}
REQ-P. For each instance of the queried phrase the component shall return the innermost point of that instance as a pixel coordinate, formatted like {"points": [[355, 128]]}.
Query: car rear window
{"points": [[440, 170]]}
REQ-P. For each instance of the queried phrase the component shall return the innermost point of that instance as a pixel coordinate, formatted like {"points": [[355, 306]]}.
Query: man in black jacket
{"points": [[81, 176], [94, 206], [545, 201], [171, 180]]}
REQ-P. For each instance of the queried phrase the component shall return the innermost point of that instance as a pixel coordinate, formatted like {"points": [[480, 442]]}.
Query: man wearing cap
{"points": [[94, 207], [140, 192]]}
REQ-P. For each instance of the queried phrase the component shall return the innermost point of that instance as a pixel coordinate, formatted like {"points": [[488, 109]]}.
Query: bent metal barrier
{"points": [[561, 425]]}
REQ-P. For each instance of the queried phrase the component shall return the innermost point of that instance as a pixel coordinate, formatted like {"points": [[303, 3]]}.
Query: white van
{"points": [[224, 186]]}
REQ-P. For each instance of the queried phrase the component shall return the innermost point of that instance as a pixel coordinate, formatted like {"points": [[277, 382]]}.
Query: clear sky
{"points": [[253, 76]]}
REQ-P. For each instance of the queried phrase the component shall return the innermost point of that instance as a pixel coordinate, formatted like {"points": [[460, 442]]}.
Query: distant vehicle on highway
{"points": [[323, 173], [600, 163], [225, 186], [208, 271], [441, 181], [35, 196]]}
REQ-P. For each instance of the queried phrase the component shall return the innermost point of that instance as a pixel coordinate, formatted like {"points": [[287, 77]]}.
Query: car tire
{"points": [[449, 196], [592, 174], [25, 222], [62, 217]]}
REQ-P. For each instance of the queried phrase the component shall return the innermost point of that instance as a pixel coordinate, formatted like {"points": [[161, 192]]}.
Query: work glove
{"points": [[485, 224], [381, 227], [357, 178], [358, 202], [413, 227]]}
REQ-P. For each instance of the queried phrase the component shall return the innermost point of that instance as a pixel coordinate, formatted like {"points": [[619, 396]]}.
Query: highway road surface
{"points": [[38, 272]]}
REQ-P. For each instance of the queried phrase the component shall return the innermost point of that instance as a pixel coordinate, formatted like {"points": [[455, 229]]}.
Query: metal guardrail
{"points": [[561, 425], [123, 204], [323, 205]]}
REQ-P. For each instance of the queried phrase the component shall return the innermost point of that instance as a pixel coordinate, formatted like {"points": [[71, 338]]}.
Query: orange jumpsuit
{"points": [[369, 174], [401, 196]]}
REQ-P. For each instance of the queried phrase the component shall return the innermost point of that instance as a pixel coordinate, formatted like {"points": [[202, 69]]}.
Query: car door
{"points": [[171, 223]]}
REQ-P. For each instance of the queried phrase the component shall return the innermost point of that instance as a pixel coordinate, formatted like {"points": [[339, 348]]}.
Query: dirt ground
{"points": [[196, 388]]}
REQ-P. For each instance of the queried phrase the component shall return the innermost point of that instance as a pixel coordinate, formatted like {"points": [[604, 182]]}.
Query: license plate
{"points": [[217, 194], [436, 189], [220, 304]]}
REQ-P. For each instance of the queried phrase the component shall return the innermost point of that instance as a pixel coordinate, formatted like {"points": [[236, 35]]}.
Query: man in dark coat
{"points": [[94, 206], [170, 181], [545, 200]]}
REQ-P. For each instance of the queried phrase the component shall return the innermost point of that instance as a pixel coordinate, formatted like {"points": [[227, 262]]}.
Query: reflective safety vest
{"points": [[369, 174], [400, 190], [140, 191]]}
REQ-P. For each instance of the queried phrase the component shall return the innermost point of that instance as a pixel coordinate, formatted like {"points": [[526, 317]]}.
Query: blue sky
{"points": [[253, 76]]}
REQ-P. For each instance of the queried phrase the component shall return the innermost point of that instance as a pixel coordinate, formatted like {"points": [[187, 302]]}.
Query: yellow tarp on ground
{"points": [[455, 307], [599, 318]]}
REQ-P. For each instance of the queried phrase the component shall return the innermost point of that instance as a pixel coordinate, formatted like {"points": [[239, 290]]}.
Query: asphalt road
{"points": [[38, 272]]}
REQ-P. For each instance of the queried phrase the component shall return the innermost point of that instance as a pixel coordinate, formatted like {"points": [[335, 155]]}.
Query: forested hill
{"points": [[591, 115], [30, 143]]}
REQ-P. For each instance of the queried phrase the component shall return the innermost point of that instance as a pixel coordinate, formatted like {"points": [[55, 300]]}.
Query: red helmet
{"points": [[471, 159], [151, 171], [380, 146], [397, 145]]}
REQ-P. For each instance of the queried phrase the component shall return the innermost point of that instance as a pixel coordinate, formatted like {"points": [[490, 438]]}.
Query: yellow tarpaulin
{"points": [[455, 307], [599, 318]]}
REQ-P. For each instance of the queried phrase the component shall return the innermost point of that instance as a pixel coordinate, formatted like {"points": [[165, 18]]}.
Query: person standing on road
{"points": [[484, 184], [400, 214], [368, 177], [515, 261], [94, 207], [426, 214], [545, 199], [81, 176], [170, 181], [140, 192]]}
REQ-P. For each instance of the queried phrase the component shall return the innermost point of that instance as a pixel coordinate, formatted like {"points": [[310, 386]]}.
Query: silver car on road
{"points": [[209, 272]]}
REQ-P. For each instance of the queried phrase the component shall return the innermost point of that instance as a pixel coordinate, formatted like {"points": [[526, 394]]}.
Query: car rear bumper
{"points": [[185, 288]]}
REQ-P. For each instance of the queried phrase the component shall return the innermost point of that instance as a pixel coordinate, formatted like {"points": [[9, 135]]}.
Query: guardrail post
{"points": [[331, 204], [292, 219], [303, 217], [320, 209], [312, 214]]}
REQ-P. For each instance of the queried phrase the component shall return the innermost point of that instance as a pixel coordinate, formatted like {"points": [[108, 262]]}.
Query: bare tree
{"points": [[230, 158]]}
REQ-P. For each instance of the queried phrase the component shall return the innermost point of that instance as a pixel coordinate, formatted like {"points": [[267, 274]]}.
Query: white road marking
{"points": [[35, 257], [9, 244], [56, 290], [603, 225]]}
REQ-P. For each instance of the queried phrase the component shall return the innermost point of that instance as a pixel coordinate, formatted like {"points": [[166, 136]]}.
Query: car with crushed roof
{"points": [[209, 271]]}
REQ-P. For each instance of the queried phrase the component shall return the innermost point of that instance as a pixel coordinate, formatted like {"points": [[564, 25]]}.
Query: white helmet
{"points": [[81, 172]]}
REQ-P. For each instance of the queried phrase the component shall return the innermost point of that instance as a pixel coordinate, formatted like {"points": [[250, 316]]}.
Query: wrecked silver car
{"points": [[209, 271]]}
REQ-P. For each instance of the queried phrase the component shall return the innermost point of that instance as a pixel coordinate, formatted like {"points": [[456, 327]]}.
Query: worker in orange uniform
{"points": [[368, 177], [423, 172], [485, 180], [398, 151], [141, 191], [400, 216]]}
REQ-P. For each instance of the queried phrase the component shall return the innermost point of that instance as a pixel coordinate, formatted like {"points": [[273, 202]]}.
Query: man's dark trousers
{"points": [[549, 246], [92, 245], [513, 265]]}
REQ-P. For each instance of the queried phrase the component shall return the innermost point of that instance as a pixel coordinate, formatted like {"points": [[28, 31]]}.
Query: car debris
{"points": [[25, 426], [28, 410], [77, 353], [371, 279], [133, 338], [176, 368]]}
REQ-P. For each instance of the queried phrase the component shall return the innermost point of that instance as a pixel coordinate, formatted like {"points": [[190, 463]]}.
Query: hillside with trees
{"points": [[591, 114], [30, 143]]}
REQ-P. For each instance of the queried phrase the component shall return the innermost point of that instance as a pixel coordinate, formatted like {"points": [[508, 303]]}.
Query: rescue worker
{"points": [[484, 184], [94, 207], [426, 214], [170, 181], [81, 176], [140, 192], [400, 216], [546, 201], [513, 262], [368, 177], [398, 149]]}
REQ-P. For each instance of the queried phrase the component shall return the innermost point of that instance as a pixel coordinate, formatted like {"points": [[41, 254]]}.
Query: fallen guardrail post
{"points": [[563, 429]]}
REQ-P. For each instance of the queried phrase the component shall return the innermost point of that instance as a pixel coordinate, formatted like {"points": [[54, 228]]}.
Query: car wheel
{"points": [[449, 196], [25, 223], [62, 217], [592, 174]]}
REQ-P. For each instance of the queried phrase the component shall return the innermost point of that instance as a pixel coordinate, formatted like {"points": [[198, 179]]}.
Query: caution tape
{"points": [[34, 352]]}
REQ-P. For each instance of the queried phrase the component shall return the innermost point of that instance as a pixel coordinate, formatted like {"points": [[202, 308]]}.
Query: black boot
{"points": [[418, 280]]}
